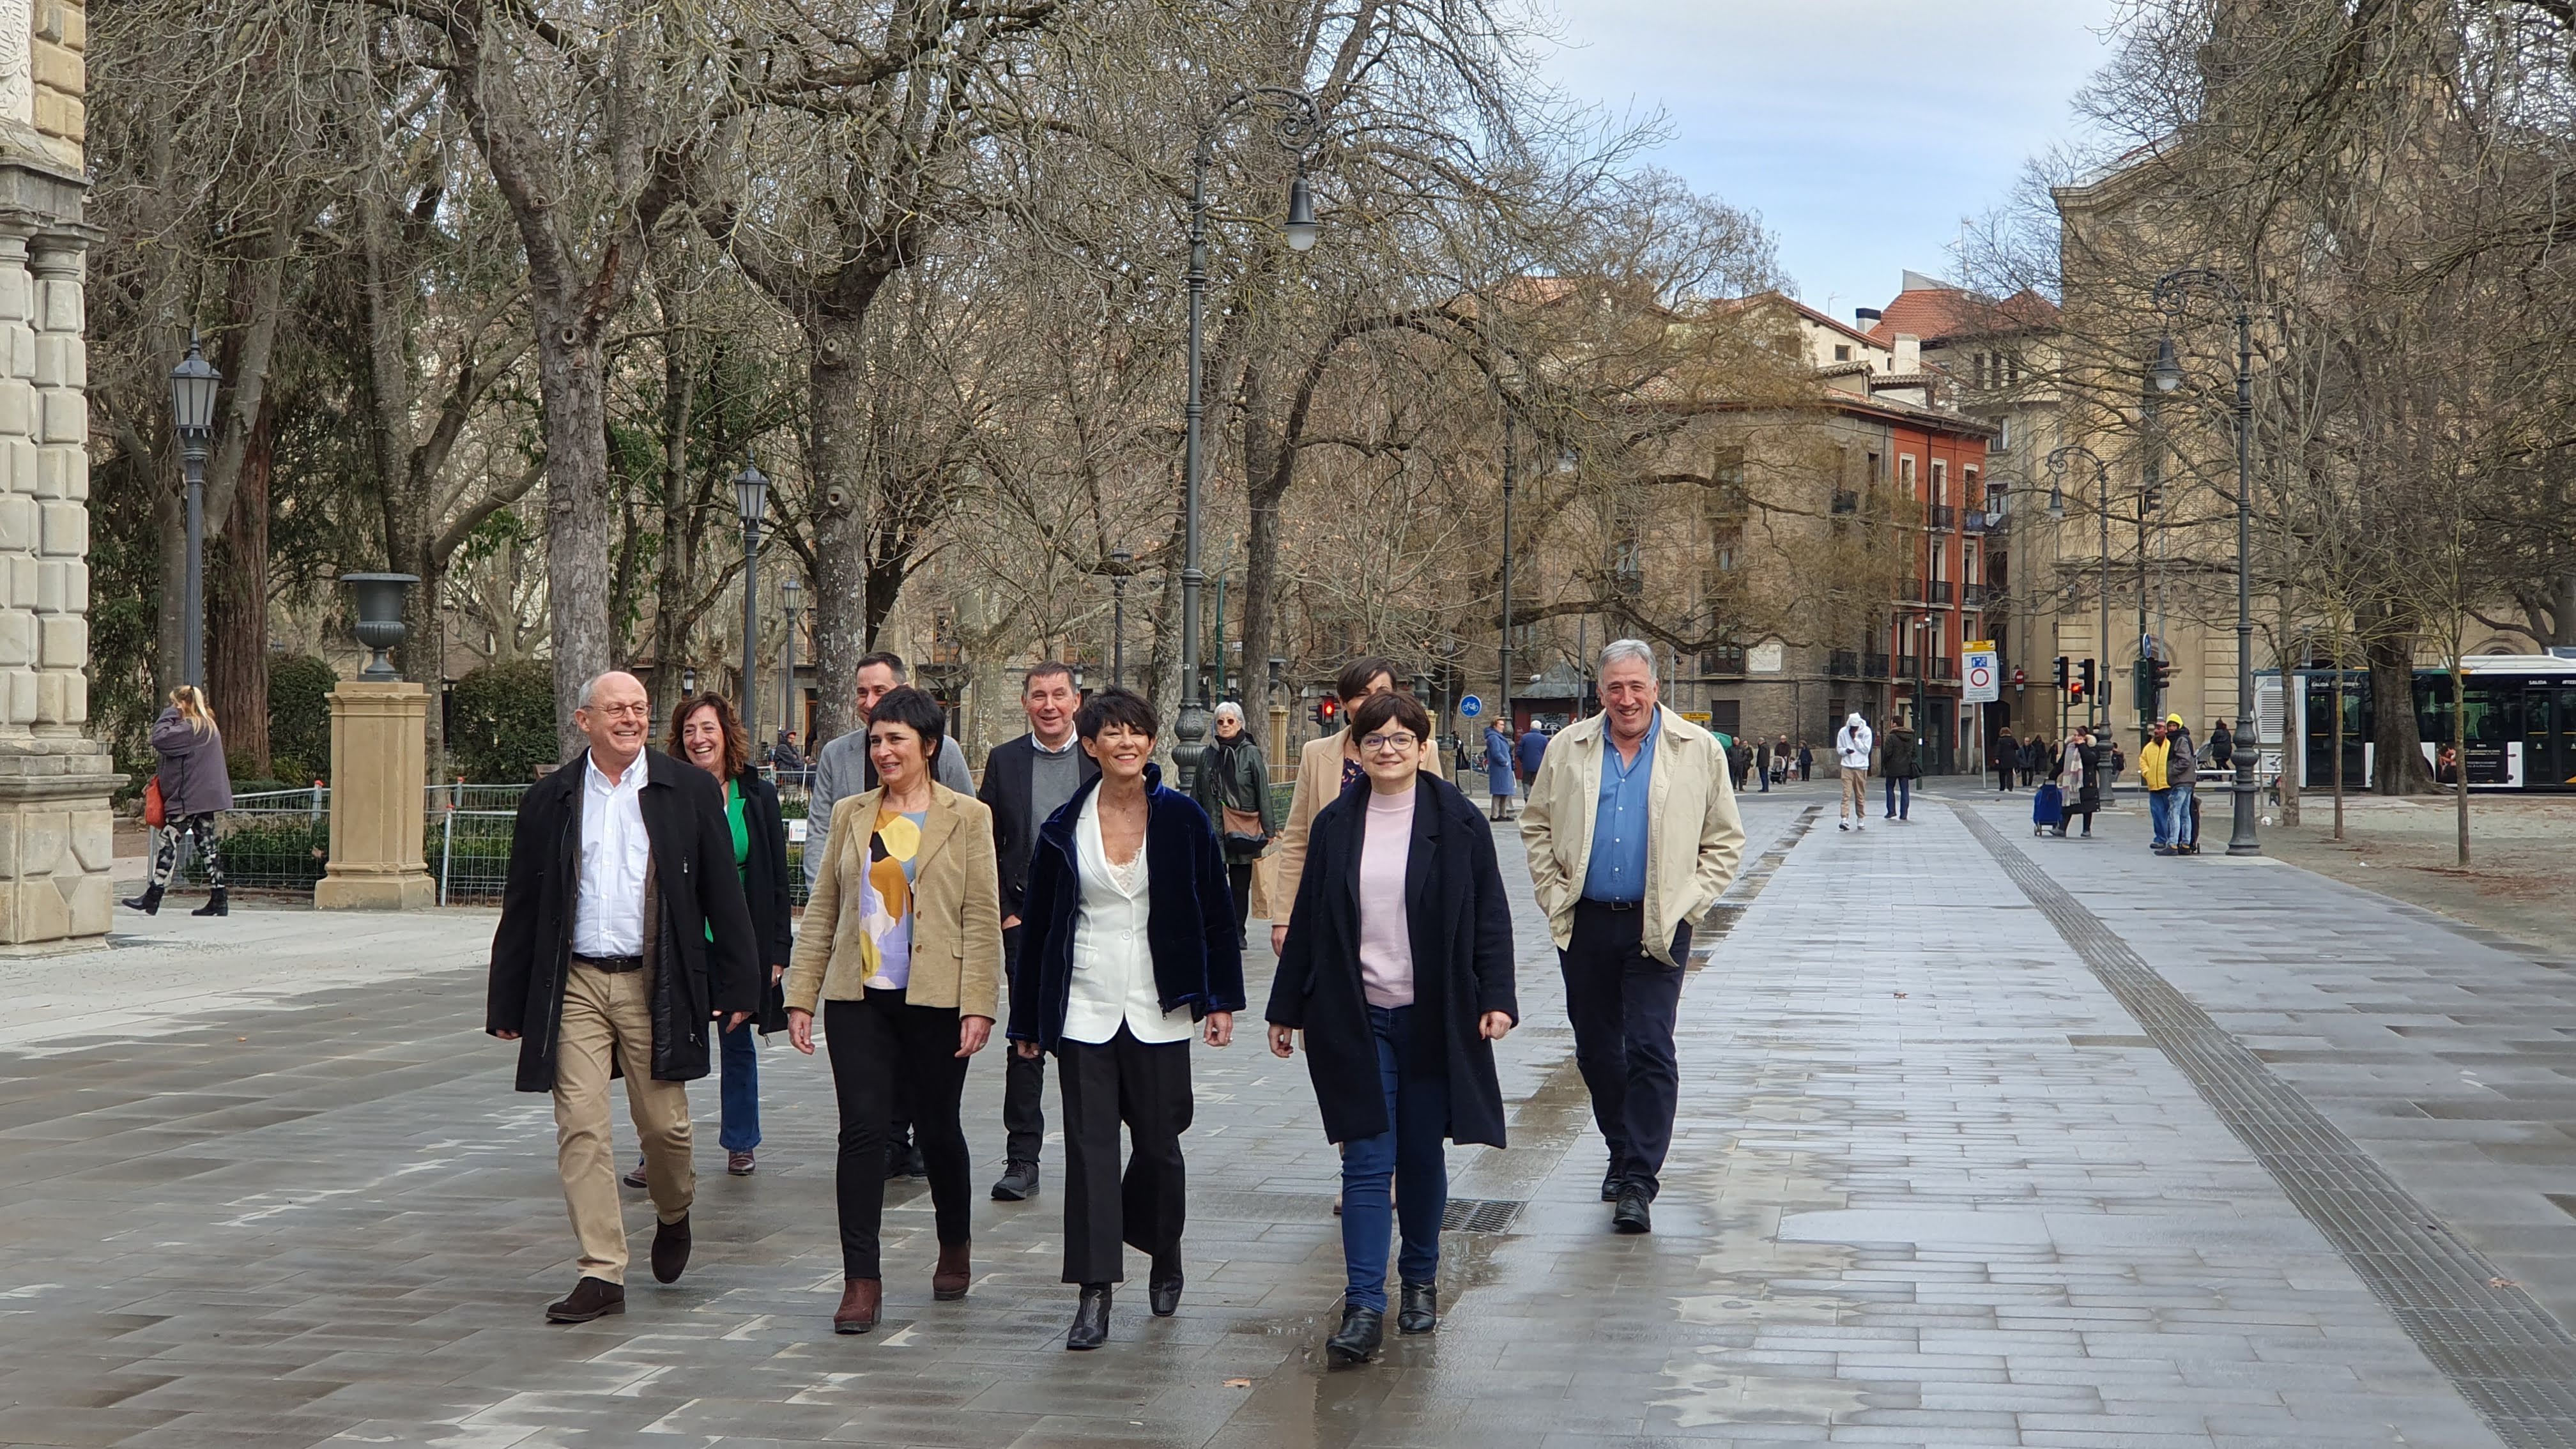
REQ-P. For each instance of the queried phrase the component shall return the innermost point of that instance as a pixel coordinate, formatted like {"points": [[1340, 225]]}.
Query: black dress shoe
{"points": [[1632, 1215], [1163, 1289], [1090, 1319], [1362, 1330], [591, 1298], [1019, 1182], [899, 1159], [1610, 1185], [913, 1164], [1420, 1311], [671, 1250]]}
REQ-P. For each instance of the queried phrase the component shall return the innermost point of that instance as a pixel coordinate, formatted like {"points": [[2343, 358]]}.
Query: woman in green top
{"points": [[709, 735]]}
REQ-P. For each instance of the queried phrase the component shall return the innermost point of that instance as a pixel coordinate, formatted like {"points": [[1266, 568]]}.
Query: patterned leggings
{"points": [[166, 845]]}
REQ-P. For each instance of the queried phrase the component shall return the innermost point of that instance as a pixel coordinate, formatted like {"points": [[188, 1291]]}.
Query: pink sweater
{"points": [[1386, 948]]}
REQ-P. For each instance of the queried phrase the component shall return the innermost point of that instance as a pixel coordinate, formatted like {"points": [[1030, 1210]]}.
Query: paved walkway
{"points": [[1936, 1183]]}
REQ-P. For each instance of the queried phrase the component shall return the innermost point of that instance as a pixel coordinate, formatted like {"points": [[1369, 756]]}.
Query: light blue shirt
{"points": [[1616, 868]]}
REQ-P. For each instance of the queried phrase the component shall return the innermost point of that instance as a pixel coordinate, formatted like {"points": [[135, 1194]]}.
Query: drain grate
{"points": [[1479, 1215], [2513, 1362]]}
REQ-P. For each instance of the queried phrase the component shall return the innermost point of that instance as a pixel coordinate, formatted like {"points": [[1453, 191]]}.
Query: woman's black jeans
{"points": [[872, 1040]]}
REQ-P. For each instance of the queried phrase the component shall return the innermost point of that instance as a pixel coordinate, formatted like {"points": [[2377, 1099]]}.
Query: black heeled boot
{"points": [[1090, 1319], [1363, 1329], [215, 904], [1420, 1310], [149, 903]]}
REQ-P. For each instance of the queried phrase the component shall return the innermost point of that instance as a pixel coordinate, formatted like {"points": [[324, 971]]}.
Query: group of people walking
{"points": [[645, 929]]}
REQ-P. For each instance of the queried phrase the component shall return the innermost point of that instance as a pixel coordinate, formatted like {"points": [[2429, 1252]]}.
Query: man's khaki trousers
{"points": [[1855, 799], [604, 1013]]}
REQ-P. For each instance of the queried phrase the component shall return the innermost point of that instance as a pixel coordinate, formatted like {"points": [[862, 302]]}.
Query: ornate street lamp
{"points": [[1120, 562], [789, 603], [193, 385], [2173, 295], [1299, 124], [751, 500], [688, 681]]}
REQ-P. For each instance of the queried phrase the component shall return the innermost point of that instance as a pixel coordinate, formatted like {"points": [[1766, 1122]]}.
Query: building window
{"points": [[1905, 474], [2003, 437], [1940, 481], [1842, 352], [1875, 477], [1996, 493]]}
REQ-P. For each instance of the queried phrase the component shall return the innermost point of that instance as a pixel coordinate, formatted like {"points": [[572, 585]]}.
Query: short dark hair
{"points": [[1116, 706], [1395, 706], [907, 706], [889, 659], [737, 745], [1354, 679], [1046, 669]]}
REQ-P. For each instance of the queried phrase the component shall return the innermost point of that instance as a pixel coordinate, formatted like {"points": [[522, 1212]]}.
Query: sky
{"points": [[1861, 131]]}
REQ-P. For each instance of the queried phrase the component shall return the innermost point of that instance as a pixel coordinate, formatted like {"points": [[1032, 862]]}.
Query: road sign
{"points": [[1981, 685], [1471, 706]]}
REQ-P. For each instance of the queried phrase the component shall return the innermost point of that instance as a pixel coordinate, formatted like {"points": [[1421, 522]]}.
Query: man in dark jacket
{"points": [[1900, 765], [1025, 781], [623, 931], [2182, 772]]}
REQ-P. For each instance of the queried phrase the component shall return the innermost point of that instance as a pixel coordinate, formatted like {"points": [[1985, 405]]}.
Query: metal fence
{"points": [[273, 840]]}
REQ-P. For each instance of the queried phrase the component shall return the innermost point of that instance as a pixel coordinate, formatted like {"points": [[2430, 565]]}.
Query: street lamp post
{"points": [[1503, 655], [193, 384], [2094, 709], [789, 591], [2172, 295], [751, 499], [1120, 562], [1296, 131]]}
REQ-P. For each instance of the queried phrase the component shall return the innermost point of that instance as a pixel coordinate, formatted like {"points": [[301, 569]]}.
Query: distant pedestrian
{"points": [[2182, 773], [1026, 780], [1806, 763], [1663, 841], [623, 931], [1234, 789], [196, 787], [1781, 761], [2077, 778], [1500, 780], [2119, 762], [1899, 765], [2221, 748], [1132, 949], [1851, 751], [2152, 759], [901, 954], [2007, 757], [1533, 748], [1739, 759], [1400, 974]]}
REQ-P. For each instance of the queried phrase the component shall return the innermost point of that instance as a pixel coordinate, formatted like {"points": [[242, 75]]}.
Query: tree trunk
{"points": [[1264, 486], [170, 516], [2397, 741], [577, 513], [837, 462], [674, 566], [237, 611]]}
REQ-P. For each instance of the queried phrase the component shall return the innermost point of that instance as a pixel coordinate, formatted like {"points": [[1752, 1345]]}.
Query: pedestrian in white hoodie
{"points": [[1851, 746]]}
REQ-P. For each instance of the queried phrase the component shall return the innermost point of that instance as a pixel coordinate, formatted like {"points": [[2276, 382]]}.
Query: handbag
{"points": [[155, 813], [1242, 827]]}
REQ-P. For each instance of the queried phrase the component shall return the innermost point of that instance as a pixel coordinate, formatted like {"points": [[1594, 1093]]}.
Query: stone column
{"points": [[379, 756]]}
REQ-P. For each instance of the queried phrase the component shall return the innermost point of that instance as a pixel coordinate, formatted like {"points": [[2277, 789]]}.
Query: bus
{"points": [[2521, 711]]}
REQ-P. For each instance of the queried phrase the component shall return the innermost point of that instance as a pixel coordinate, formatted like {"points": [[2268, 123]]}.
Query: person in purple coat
{"points": [[196, 787]]}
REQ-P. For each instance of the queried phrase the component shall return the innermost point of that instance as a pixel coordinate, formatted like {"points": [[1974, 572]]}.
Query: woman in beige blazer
{"points": [[1325, 767], [902, 944]]}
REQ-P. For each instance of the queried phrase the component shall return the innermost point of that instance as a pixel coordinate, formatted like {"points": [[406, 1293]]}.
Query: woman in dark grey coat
{"points": [[1398, 969], [195, 788]]}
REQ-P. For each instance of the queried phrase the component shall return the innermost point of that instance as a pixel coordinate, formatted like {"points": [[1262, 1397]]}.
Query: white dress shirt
{"points": [[608, 908], [1113, 963]]}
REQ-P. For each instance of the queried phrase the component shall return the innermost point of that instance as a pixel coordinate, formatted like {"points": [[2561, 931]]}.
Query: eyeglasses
{"points": [[1401, 740]]}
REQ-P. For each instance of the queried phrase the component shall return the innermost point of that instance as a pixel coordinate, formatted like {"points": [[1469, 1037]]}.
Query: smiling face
{"points": [[874, 681], [1392, 755], [1050, 702], [1628, 694], [1121, 751], [615, 721], [895, 749], [702, 741]]}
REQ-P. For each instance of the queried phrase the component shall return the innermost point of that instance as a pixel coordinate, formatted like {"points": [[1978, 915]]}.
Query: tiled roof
{"points": [[1934, 313]]}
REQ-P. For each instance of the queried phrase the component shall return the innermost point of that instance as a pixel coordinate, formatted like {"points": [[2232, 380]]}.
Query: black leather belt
{"points": [[613, 965], [1612, 905]]}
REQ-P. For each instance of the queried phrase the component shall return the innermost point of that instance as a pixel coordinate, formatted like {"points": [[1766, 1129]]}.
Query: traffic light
{"points": [[2084, 673], [2061, 671], [1328, 713], [2164, 677], [2142, 684]]}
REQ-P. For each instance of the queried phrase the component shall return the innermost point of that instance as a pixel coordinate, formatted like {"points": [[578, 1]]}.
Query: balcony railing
{"points": [[1846, 501], [1721, 661], [1941, 668], [1937, 591], [1910, 592], [1873, 666], [1973, 595], [1972, 521], [1843, 664], [1944, 516]]}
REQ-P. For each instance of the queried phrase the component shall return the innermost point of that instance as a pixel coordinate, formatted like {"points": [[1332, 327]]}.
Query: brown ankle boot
{"points": [[948, 1281], [860, 1298]]}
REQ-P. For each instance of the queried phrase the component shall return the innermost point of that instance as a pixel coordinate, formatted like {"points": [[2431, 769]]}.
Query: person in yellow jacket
{"points": [[2152, 758]]}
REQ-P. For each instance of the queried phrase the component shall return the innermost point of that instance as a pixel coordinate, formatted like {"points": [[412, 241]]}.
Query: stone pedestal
{"points": [[379, 759], [57, 841]]}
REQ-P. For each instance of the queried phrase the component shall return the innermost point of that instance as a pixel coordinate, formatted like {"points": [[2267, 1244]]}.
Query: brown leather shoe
{"points": [[591, 1298], [860, 1299], [948, 1281], [671, 1250]]}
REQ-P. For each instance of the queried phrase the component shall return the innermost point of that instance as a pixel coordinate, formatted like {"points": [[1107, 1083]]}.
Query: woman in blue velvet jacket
{"points": [[1130, 949]]}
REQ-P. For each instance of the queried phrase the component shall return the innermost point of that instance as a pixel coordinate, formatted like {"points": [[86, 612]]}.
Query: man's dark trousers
{"points": [[1023, 1080], [1623, 1002]]}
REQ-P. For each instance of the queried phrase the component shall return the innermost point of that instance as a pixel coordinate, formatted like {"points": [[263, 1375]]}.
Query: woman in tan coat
{"points": [[902, 944]]}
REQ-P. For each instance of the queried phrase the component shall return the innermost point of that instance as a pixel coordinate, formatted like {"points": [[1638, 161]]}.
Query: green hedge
{"points": [[299, 719], [501, 722], [268, 852]]}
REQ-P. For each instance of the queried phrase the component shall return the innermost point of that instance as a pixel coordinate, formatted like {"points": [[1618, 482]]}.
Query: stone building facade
{"points": [[55, 780]]}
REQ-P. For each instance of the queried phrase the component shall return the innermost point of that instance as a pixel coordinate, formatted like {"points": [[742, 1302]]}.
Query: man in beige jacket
{"points": [[1632, 836], [1324, 768]]}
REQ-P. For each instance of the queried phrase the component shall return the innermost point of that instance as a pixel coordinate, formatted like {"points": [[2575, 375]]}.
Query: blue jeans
{"points": [[1411, 1153], [1900, 797], [736, 1059], [2160, 810], [2186, 828]]}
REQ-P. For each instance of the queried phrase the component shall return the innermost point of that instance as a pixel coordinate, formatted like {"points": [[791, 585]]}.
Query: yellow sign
{"points": [[1697, 717], [1978, 646]]}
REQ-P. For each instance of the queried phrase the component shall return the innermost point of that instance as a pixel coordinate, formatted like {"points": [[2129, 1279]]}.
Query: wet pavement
{"points": [[263, 1182]]}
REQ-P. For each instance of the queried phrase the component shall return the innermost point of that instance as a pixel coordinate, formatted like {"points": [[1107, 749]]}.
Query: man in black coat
{"points": [[604, 963], [1025, 781]]}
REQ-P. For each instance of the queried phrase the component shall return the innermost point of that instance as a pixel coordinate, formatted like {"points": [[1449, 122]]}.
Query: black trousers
{"points": [[875, 1043], [1148, 1088], [1623, 1002], [1238, 875], [1023, 1081]]}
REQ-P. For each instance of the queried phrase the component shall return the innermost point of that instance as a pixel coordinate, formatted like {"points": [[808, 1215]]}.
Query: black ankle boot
{"points": [[1420, 1311], [215, 904], [149, 903], [1090, 1319], [1363, 1329]]}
